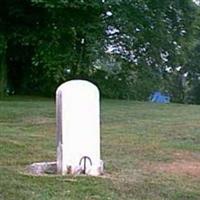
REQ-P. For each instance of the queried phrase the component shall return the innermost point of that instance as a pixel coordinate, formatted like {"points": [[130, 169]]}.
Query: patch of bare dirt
{"points": [[179, 167], [184, 163], [186, 155]]}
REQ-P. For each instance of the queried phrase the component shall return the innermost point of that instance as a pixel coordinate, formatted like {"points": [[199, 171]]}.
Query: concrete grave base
{"points": [[93, 170], [42, 168]]}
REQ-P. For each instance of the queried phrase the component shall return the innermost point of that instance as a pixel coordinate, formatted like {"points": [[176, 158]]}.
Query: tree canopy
{"points": [[128, 48]]}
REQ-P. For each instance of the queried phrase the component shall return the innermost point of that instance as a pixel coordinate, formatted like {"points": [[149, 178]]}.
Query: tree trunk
{"points": [[3, 66]]}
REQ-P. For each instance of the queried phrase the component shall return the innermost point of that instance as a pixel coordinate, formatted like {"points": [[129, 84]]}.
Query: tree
{"points": [[58, 39], [152, 36], [3, 72], [128, 48]]}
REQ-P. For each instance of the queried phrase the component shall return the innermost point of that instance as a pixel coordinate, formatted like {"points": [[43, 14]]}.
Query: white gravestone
{"points": [[78, 128]]}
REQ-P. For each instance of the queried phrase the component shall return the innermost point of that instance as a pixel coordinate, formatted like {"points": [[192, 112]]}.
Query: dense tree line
{"points": [[128, 48]]}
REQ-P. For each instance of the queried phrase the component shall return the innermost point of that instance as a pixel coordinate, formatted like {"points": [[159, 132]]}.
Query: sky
{"points": [[197, 2]]}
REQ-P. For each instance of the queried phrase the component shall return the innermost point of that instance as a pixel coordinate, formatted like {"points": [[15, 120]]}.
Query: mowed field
{"points": [[151, 151]]}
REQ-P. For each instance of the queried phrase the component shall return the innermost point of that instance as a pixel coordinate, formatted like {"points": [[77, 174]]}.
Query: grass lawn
{"points": [[150, 151]]}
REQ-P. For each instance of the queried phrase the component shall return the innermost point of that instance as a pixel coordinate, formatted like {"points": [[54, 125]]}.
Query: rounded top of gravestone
{"points": [[78, 85]]}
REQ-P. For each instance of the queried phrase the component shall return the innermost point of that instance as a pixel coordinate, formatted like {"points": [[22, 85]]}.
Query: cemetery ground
{"points": [[151, 151]]}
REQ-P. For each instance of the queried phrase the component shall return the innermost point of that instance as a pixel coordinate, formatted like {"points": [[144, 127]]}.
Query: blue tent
{"points": [[158, 97]]}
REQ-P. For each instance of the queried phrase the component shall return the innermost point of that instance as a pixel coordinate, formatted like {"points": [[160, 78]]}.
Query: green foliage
{"points": [[61, 37], [154, 35], [3, 78], [129, 48]]}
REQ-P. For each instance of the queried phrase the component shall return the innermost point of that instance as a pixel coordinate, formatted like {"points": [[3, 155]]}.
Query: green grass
{"points": [[136, 137]]}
